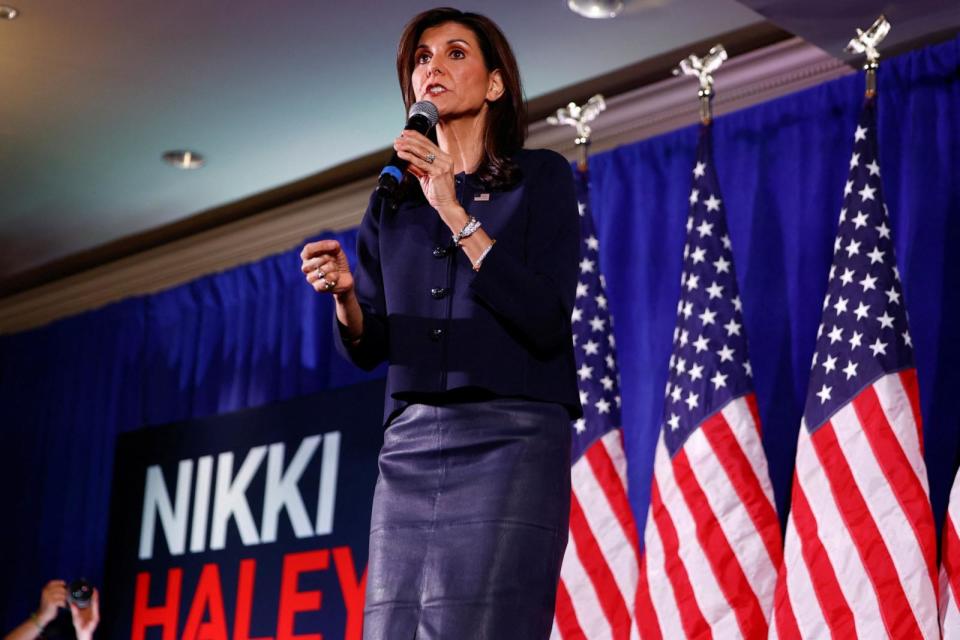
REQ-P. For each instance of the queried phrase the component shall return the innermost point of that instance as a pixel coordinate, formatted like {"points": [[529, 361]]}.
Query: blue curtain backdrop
{"points": [[257, 334]]}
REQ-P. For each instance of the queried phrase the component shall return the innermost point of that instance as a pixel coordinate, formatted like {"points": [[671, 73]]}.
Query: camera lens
{"points": [[80, 593]]}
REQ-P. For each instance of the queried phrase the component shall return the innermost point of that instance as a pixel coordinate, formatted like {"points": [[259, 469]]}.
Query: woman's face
{"points": [[449, 71]]}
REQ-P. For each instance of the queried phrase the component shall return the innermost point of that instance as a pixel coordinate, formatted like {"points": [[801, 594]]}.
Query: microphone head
{"points": [[426, 109]]}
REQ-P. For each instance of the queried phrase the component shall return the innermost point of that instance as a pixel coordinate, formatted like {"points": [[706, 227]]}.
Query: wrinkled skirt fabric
{"points": [[469, 523]]}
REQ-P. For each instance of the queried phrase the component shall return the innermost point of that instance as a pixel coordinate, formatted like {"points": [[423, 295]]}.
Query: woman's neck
{"points": [[462, 138]]}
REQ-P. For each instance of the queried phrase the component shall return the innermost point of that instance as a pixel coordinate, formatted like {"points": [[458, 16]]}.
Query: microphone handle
{"points": [[392, 174]]}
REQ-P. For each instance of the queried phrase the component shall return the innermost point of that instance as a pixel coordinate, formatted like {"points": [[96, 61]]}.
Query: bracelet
{"points": [[36, 621], [479, 261], [468, 229]]}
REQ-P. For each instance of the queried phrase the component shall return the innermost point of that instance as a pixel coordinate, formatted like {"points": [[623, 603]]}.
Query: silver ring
{"points": [[320, 273], [430, 158]]}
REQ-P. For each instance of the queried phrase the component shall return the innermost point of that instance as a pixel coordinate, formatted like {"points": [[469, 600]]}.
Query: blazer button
{"points": [[439, 252], [439, 292], [436, 334]]}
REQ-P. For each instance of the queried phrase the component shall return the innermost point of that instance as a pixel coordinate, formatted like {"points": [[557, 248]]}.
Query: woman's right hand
{"points": [[326, 268], [53, 596]]}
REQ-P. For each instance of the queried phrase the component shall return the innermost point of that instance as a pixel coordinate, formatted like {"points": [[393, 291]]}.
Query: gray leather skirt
{"points": [[469, 523]]}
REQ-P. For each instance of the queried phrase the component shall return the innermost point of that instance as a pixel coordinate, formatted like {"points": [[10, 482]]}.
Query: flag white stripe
{"points": [[734, 521], [892, 522], [840, 547], [949, 614], [953, 508], [613, 443], [810, 619], [714, 606], [738, 416], [617, 553], [896, 407], [661, 591], [586, 605], [951, 621]]}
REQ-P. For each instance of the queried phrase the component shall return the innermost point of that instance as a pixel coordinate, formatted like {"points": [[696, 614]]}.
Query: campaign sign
{"points": [[246, 526]]}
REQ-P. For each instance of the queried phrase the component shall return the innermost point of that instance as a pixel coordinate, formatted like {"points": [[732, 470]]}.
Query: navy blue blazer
{"points": [[503, 330]]}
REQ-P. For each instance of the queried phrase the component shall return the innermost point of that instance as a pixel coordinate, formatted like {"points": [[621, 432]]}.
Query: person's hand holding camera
{"points": [[53, 596], [81, 598]]}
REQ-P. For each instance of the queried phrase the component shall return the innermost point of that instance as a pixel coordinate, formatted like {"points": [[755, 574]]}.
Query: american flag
{"points": [[860, 548], [598, 578], [712, 539]]}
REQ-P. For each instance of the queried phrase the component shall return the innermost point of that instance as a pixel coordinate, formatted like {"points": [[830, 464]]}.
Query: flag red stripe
{"points": [[611, 600], [613, 489], [786, 622], [897, 615], [832, 603], [898, 471], [645, 614], [745, 483], [694, 624], [951, 557], [751, 400], [567, 621], [726, 568], [908, 378]]}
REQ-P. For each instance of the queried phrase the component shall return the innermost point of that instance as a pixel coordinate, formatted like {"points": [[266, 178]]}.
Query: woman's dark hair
{"points": [[506, 125]]}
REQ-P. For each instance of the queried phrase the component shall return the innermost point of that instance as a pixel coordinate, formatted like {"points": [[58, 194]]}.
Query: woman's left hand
{"points": [[436, 178]]}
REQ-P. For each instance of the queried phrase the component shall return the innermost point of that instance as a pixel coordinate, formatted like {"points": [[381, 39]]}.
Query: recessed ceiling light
{"points": [[596, 8], [184, 159], [7, 12]]}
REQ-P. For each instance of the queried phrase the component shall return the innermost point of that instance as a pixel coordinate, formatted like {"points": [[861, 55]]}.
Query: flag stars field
{"points": [[860, 301], [702, 311]]}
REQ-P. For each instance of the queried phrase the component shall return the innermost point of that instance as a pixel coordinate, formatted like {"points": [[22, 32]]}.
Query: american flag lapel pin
{"points": [[481, 197]]}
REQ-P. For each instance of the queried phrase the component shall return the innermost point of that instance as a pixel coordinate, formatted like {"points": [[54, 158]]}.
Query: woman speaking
{"points": [[464, 284]]}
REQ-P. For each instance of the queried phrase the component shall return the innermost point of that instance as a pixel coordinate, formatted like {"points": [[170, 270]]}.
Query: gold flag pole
{"points": [[867, 42], [703, 68], [580, 116]]}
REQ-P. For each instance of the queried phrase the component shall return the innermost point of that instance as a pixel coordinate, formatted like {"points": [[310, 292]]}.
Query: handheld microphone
{"points": [[423, 116]]}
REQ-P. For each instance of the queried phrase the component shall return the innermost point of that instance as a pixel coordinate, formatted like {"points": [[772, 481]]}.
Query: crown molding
{"points": [[744, 80]]}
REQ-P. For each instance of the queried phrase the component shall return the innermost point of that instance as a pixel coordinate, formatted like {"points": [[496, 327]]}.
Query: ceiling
{"points": [[270, 93], [830, 24]]}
